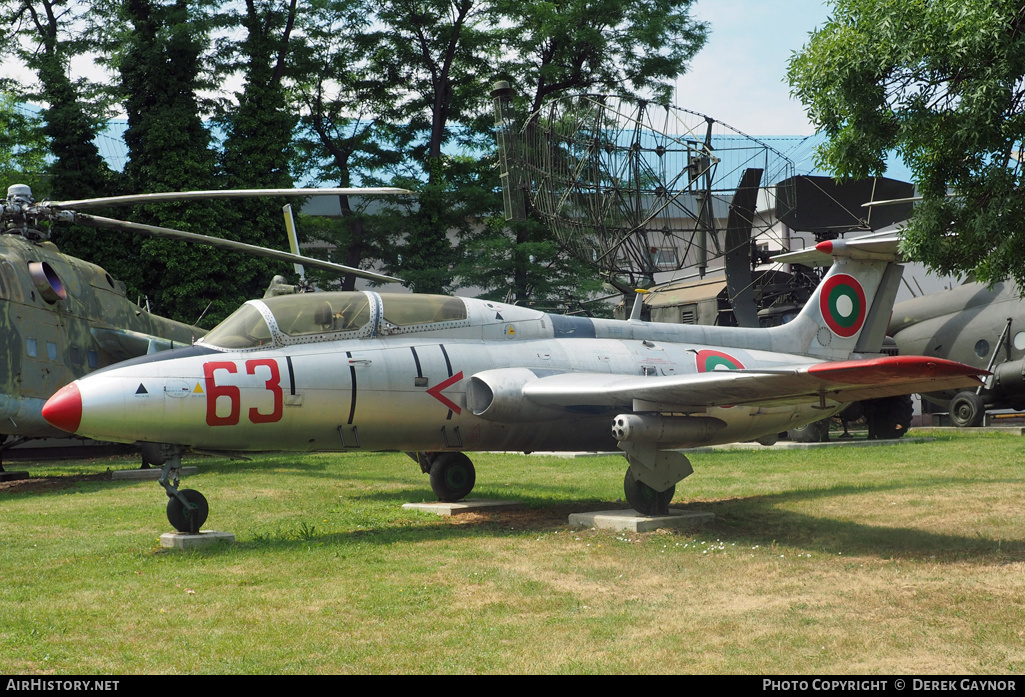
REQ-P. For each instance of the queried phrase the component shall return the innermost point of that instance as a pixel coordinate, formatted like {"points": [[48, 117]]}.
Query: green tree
{"points": [[23, 148], [624, 47], [258, 126], [48, 37], [943, 84], [438, 57], [169, 149], [342, 139], [47, 43]]}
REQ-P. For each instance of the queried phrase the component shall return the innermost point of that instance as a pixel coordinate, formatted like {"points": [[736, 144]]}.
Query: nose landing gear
{"points": [[187, 509]]}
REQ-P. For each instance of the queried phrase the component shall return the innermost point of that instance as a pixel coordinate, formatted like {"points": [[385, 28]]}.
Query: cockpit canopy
{"points": [[325, 315]]}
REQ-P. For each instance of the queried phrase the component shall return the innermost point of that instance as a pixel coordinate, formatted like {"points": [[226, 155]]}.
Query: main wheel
{"points": [[967, 410], [645, 500], [815, 432], [178, 517], [452, 476]]}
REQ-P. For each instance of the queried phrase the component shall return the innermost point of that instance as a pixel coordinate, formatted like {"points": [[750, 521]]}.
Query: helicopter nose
{"points": [[64, 409]]}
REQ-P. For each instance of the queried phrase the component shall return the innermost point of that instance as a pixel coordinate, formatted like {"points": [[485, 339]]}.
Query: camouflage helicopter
{"points": [[975, 324], [972, 324], [63, 317]]}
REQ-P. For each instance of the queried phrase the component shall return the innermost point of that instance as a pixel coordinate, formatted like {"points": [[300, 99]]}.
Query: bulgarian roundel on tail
{"points": [[843, 305]]}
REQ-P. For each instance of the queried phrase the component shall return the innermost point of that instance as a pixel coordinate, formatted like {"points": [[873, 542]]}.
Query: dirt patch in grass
{"points": [[33, 484]]}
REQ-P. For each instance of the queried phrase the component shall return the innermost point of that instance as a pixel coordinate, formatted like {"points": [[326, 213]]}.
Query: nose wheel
{"points": [[190, 514], [187, 509]]}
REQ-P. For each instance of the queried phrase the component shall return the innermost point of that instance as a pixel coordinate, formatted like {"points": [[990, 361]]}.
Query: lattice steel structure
{"points": [[636, 187]]}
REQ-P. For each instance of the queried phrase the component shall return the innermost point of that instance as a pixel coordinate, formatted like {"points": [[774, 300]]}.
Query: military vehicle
{"points": [[972, 324], [439, 376], [63, 317]]}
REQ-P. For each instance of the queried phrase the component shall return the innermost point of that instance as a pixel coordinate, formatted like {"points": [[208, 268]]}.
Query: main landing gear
{"points": [[649, 484], [452, 474], [644, 499], [187, 509]]}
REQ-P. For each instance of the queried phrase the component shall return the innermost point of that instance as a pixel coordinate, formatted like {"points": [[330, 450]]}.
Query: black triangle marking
{"points": [[498, 315], [142, 389]]}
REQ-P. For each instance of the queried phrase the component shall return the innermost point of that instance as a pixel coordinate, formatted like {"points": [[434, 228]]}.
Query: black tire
{"points": [[888, 417], [967, 410], [645, 500], [815, 432], [179, 518], [452, 476]]}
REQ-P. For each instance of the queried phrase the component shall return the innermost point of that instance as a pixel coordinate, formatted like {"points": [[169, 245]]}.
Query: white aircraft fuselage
{"points": [[427, 391], [438, 374]]}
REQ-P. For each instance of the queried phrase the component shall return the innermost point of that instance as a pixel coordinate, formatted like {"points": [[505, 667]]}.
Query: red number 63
{"points": [[234, 394]]}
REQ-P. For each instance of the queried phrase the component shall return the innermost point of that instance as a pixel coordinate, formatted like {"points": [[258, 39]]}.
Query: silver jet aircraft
{"points": [[437, 376]]}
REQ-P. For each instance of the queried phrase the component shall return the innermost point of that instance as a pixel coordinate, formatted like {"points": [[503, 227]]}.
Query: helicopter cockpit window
{"points": [[404, 310], [319, 313], [12, 289], [244, 328]]}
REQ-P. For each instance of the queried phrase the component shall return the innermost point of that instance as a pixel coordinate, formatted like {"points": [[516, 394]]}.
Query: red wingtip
{"points": [[825, 247], [64, 409]]}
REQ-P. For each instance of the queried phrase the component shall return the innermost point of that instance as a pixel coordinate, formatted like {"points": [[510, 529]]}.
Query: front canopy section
{"points": [[310, 317], [290, 318], [245, 328]]}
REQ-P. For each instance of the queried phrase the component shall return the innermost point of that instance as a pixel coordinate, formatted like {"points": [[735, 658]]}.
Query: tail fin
{"points": [[850, 310]]}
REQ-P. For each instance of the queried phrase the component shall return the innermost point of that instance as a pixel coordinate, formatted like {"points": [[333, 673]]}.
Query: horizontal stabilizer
{"points": [[880, 246]]}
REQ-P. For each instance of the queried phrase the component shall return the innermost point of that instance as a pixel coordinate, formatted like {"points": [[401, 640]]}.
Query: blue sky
{"points": [[739, 78]]}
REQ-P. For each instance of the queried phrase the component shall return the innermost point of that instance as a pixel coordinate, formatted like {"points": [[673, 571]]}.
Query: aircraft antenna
{"points": [[201, 314]]}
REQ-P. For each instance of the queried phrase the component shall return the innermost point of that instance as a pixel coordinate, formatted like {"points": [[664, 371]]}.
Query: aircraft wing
{"points": [[842, 381]]}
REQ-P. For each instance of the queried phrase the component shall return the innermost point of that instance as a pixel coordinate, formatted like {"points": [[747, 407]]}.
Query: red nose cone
{"points": [[64, 409]]}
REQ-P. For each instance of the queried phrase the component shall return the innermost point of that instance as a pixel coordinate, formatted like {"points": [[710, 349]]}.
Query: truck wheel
{"points": [[888, 417]]}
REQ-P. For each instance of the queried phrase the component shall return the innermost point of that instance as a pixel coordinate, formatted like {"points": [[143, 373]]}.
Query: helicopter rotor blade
{"points": [[139, 199], [170, 233]]}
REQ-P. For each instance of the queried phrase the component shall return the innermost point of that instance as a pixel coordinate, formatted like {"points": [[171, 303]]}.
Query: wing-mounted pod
{"points": [[648, 439], [667, 431]]}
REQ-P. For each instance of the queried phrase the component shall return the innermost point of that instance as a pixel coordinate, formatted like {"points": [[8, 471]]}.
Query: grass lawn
{"points": [[905, 558]]}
